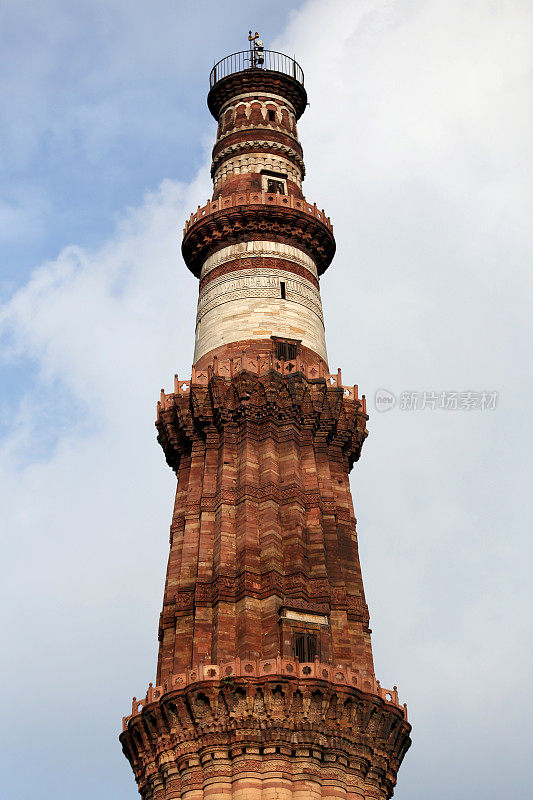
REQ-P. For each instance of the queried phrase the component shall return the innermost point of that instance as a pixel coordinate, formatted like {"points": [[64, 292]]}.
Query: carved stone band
{"points": [[256, 162], [256, 216], [254, 146], [278, 99], [248, 305], [258, 250], [259, 283]]}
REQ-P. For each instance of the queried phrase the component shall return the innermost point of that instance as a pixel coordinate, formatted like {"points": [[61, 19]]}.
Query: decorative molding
{"points": [[256, 162], [254, 216], [254, 146], [261, 363], [244, 264], [325, 412], [256, 283], [257, 200], [242, 718], [340, 675], [314, 595], [257, 82], [259, 249]]}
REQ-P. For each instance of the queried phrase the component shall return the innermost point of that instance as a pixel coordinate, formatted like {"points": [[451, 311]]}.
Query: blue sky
{"points": [[417, 144], [100, 101]]}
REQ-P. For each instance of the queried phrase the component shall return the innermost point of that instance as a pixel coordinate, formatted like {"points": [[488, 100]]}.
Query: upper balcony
{"points": [[243, 216], [246, 72], [247, 59]]}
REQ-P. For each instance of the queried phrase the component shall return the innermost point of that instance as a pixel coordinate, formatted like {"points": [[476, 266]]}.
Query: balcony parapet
{"points": [[247, 216], [341, 676], [259, 365], [259, 392], [258, 198]]}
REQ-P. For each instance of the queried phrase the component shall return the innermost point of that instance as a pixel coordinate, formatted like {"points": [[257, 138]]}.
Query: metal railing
{"points": [[248, 59]]}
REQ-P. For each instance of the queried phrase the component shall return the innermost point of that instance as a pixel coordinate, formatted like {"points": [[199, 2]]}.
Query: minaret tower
{"points": [[265, 683]]}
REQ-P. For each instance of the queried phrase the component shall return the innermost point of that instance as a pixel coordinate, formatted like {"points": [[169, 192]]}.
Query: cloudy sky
{"points": [[418, 144]]}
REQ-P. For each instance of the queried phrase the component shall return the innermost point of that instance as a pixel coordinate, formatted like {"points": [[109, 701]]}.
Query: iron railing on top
{"points": [[248, 59]]}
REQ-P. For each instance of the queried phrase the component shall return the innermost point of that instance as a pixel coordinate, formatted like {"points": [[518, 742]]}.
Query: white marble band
{"points": [[248, 304], [259, 283]]}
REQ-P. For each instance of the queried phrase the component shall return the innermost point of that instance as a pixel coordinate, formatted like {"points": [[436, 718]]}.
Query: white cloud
{"points": [[86, 493], [416, 143]]}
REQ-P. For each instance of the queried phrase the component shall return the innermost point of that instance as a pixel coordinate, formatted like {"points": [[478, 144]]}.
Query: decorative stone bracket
{"points": [[249, 216], [259, 365], [258, 198], [331, 413], [241, 729], [338, 676]]}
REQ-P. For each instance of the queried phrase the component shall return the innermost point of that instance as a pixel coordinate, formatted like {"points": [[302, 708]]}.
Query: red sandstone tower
{"points": [[265, 682]]}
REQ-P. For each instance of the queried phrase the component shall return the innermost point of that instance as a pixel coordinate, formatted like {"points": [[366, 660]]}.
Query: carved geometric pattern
{"points": [[317, 410], [256, 82], [263, 218], [258, 282], [310, 594], [232, 727], [255, 162], [260, 249], [255, 146], [259, 262]]}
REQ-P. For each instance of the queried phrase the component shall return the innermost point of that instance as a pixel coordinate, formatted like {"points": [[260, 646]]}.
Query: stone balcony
{"points": [[258, 198], [259, 365], [341, 676]]}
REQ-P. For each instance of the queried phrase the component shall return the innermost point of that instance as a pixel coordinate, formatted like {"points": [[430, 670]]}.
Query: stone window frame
{"points": [[291, 627], [278, 177], [307, 645], [285, 349]]}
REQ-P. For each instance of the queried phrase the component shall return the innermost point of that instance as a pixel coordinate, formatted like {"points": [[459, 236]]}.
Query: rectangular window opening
{"points": [[305, 647], [275, 187], [286, 351], [273, 182], [283, 292]]}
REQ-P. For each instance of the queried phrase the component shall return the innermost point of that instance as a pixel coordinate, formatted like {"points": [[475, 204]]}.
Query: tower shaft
{"points": [[265, 683]]}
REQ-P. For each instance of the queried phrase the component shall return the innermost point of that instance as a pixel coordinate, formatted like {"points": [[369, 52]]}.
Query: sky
{"points": [[417, 142]]}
